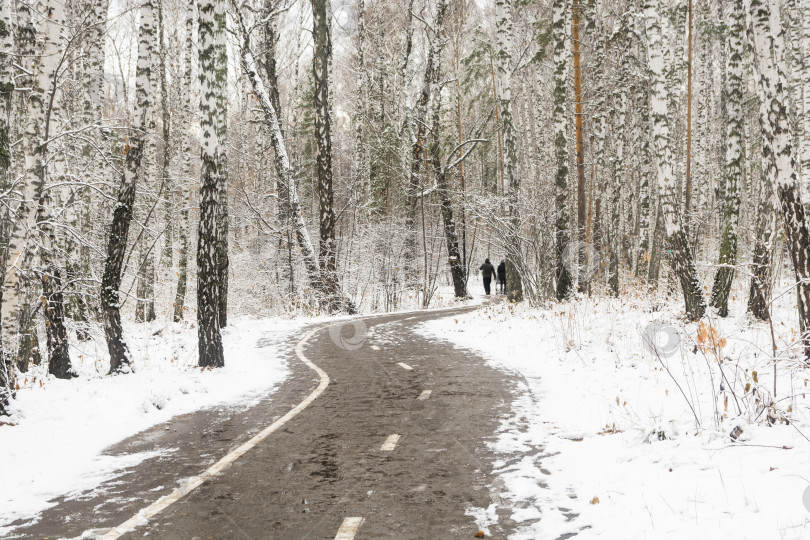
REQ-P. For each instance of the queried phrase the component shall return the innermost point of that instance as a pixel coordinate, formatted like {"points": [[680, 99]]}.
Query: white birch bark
{"points": [[683, 262], [284, 168], [120, 360], [767, 38], [212, 77], [562, 54]]}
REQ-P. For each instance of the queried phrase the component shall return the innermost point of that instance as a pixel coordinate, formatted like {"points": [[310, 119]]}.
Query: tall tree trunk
{"points": [[167, 253], [289, 195], [805, 89], [36, 139], [120, 360], [619, 167], [579, 114], [323, 136], [455, 259], [767, 38], [222, 259], [361, 177], [734, 156], [683, 263], [503, 42], [7, 381], [418, 130], [182, 272], [687, 200], [562, 223], [212, 84]]}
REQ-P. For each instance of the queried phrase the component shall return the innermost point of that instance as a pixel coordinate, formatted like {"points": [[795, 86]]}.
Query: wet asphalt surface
{"points": [[325, 464]]}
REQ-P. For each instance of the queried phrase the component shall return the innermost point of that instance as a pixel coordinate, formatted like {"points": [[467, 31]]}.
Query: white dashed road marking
{"points": [[390, 443], [404, 366], [349, 528], [374, 348], [424, 395]]}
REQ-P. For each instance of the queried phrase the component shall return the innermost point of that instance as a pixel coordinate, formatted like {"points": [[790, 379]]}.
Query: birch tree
{"points": [[418, 131], [323, 137], [182, 272], [683, 263], [564, 279], [120, 358], [767, 37], [284, 170], [734, 157], [7, 382], [212, 84], [221, 62], [503, 57]]}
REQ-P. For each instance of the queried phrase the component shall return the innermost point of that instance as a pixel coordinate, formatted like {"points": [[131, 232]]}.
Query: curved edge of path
{"points": [[143, 516]]}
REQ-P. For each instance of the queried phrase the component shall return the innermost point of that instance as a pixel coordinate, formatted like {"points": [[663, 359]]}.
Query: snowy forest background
{"points": [[194, 160]]}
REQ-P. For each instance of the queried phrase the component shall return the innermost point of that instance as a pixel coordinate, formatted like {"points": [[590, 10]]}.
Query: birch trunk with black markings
{"points": [[120, 359]]}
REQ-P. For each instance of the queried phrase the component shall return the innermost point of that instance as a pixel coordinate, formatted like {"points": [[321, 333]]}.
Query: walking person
{"points": [[502, 277], [487, 271]]}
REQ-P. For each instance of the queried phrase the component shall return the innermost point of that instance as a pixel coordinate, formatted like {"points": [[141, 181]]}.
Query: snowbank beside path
{"points": [[60, 428], [602, 441]]}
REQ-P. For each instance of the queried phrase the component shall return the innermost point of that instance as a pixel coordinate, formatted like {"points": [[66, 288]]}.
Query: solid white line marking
{"points": [[143, 516], [390, 443], [424, 395], [404, 366], [349, 528]]}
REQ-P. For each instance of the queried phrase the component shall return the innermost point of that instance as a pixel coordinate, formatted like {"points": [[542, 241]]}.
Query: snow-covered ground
{"points": [[603, 439], [53, 445]]}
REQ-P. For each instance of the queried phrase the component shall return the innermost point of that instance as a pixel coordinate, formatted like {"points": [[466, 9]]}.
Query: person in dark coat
{"points": [[502, 277], [487, 271]]}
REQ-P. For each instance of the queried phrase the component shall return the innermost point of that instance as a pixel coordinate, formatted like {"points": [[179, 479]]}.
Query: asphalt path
{"points": [[392, 445]]}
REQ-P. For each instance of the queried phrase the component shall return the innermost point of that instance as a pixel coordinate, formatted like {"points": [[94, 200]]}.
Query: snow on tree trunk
{"points": [[182, 272], [503, 58], [734, 157], [559, 17], [284, 170], [620, 105], [804, 83], [120, 360], [323, 137], [454, 255], [7, 381], [361, 177], [212, 84], [221, 59], [418, 122], [579, 136], [51, 19], [683, 263], [169, 202], [767, 39]]}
